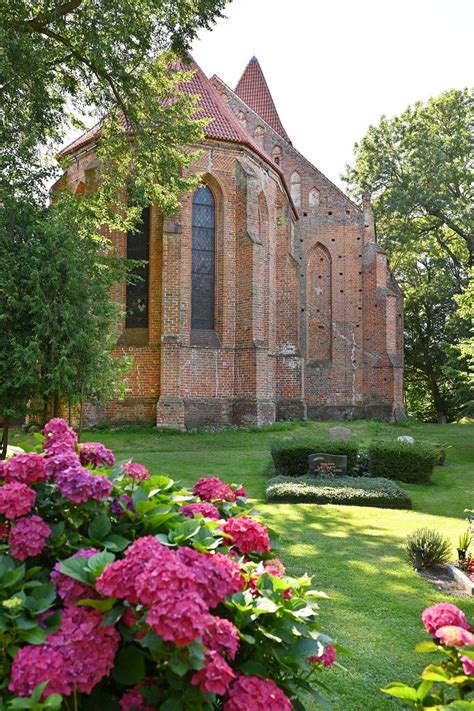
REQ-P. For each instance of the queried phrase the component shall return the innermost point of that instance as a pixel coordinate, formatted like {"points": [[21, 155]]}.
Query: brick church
{"points": [[267, 297]]}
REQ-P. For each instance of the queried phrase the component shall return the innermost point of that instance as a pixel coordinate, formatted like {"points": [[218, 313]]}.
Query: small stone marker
{"points": [[338, 433], [406, 439], [339, 462]]}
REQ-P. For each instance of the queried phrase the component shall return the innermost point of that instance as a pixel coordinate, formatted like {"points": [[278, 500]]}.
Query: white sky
{"points": [[335, 67]]}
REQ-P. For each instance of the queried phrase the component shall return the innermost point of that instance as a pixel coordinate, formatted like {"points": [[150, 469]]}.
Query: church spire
{"points": [[253, 89]]}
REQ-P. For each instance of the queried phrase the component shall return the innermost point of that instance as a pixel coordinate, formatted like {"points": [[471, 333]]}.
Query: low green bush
{"points": [[412, 463], [347, 490], [290, 455], [436, 547]]}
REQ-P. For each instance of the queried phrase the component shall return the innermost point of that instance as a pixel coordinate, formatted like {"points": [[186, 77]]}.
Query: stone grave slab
{"points": [[339, 461], [339, 433]]}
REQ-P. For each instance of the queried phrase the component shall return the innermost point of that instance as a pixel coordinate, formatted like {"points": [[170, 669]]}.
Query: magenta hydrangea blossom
{"points": [[16, 499], [136, 471], [119, 506], [132, 700], [78, 485], [452, 636], [69, 589], [240, 491], [178, 618], [96, 455], [59, 437], [327, 658], [254, 694], [215, 676], [247, 535], [59, 462], [468, 666], [25, 468], [27, 537], [77, 656], [222, 636], [204, 509], [211, 488], [442, 615], [213, 582]]}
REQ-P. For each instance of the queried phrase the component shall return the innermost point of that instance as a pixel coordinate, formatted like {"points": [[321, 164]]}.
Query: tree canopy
{"points": [[419, 169]]}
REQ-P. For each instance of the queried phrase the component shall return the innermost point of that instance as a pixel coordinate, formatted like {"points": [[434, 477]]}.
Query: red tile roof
{"points": [[253, 89]]}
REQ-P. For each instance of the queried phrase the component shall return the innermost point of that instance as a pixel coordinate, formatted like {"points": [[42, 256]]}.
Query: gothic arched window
{"points": [[138, 248], [203, 260]]}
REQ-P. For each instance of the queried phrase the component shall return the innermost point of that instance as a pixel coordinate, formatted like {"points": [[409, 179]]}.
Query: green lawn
{"points": [[355, 554]]}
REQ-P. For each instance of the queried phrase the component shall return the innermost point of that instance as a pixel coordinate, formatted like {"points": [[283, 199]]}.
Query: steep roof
{"points": [[253, 89]]}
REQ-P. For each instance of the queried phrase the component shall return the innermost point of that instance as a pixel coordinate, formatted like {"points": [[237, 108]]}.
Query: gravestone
{"points": [[406, 439], [338, 433], [338, 460]]}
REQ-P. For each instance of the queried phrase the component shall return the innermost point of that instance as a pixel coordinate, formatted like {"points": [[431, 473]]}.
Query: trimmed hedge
{"points": [[412, 463], [290, 455], [346, 490]]}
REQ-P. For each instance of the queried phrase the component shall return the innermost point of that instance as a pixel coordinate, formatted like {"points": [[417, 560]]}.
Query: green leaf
{"points": [[35, 636], [115, 543], [427, 646], [101, 605], [401, 691], [265, 605], [99, 527], [98, 562], [435, 673], [129, 666], [77, 567]]}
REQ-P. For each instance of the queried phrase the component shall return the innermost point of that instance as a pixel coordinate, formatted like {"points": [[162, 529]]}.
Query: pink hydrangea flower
{"points": [[247, 535], [178, 618], [59, 437], [468, 666], [27, 537], [452, 636], [119, 578], [69, 589], [222, 636], [16, 499], [25, 468], [132, 700], [233, 570], [213, 582], [205, 509], [78, 656], [166, 574], [254, 694], [136, 471], [240, 491], [119, 506], [2, 468], [211, 488], [215, 676], [79, 485], [59, 462], [96, 455], [327, 658], [442, 615]]}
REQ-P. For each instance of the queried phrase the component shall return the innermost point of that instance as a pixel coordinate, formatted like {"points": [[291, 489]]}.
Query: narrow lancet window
{"points": [[138, 248], [203, 260]]}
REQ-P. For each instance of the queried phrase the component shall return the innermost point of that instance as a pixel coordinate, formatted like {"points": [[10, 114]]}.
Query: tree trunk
{"points": [[438, 401], [4, 444], [56, 405]]}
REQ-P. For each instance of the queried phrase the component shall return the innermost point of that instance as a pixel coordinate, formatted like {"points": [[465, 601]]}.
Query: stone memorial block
{"points": [[338, 462], [406, 439], [338, 433]]}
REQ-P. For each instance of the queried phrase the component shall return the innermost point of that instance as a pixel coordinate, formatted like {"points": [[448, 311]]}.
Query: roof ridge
{"points": [[215, 76], [253, 88]]}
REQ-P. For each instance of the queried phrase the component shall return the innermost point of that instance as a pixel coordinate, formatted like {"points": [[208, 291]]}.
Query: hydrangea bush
{"points": [[448, 682], [121, 590]]}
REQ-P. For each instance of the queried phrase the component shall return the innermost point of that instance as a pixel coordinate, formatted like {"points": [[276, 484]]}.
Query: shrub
{"points": [[290, 455], [348, 490], [121, 589], [412, 463], [436, 547], [447, 683]]}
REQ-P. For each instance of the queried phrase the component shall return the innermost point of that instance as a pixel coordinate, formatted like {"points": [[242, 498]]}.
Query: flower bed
{"points": [[350, 491], [120, 589]]}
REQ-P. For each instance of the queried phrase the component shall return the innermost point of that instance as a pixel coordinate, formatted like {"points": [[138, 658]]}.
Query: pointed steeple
{"points": [[253, 89]]}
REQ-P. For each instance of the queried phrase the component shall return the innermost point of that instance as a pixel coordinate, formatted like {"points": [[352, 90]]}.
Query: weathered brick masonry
{"points": [[306, 317]]}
